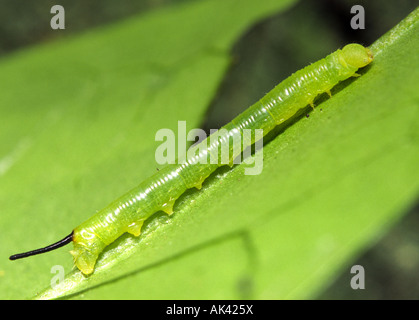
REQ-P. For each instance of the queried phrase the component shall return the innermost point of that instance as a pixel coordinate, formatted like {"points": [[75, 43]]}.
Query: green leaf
{"points": [[79, 117], [330, 185]]}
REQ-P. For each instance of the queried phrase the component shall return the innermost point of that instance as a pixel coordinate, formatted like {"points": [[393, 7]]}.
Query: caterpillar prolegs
{"points": [[160, 191]]}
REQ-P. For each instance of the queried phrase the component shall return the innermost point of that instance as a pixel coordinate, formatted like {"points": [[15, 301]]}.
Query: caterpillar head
{"points": [[356, 56]]}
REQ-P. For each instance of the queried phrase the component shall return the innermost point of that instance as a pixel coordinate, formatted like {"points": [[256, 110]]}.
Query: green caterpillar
{"points": [[160, 191]]}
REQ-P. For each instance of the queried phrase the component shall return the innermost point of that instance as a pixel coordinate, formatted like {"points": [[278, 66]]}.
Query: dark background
{"points": [[267, 53]]}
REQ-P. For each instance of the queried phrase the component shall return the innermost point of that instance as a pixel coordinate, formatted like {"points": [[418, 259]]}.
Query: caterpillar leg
{"points": [[135, 228], [84, 260], [168, 207], [312, 105], [198, 186], [329, 93], [356, 75], [86, 254]]}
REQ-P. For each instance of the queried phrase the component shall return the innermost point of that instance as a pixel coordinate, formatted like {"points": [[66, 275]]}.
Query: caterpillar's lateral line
{"points": [[160, 191]]}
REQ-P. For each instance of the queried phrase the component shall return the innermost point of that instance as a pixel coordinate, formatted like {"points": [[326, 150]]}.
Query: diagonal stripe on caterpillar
{"points": [[160, 191]]}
